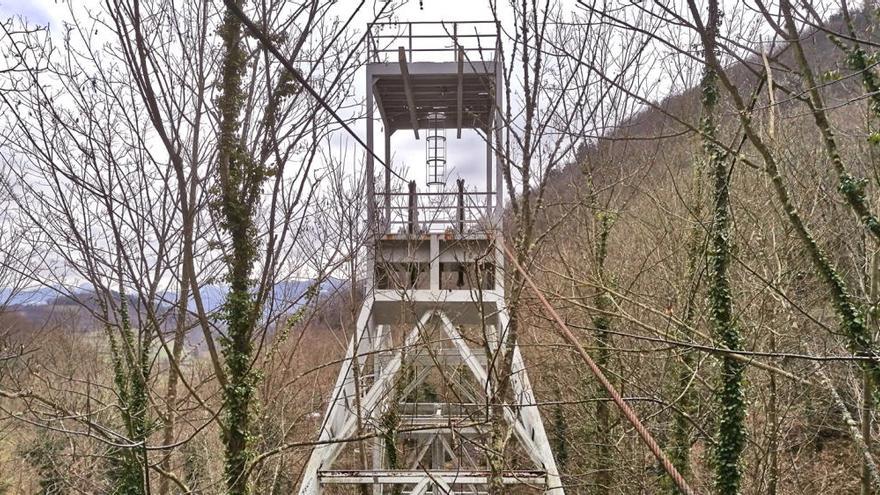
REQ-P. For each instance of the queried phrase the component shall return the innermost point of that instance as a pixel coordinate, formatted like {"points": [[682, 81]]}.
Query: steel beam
{"points": [[389, 128], [460, 89], [456, 477], [407, 89], [325, 453], [524, 435]]}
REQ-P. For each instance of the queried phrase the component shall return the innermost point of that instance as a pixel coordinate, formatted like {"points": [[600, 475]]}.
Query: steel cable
{"points": [[627, 411]]}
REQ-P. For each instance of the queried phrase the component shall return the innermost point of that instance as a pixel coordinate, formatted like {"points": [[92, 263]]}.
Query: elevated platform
{"points": [[465, 90], [393, 307], [460, 78], [459, 215]]}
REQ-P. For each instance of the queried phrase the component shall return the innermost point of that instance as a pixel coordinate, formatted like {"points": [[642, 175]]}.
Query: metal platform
{"points": [[462, 89], [457, 477]]}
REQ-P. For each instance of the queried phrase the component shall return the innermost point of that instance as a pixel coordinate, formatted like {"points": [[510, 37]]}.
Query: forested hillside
{"points": [[628, 256]]}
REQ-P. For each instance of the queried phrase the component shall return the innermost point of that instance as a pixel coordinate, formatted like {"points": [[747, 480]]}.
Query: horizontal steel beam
{"points": [[394, 477], [438, 23], [407, 88]]}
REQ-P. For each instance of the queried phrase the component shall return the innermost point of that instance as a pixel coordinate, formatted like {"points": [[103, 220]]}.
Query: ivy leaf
{"points": [[831, 75]]}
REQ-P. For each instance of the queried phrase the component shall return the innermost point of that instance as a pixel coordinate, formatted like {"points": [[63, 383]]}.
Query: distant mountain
{"points": [[42, 296], [285, 296], [287, 293]]}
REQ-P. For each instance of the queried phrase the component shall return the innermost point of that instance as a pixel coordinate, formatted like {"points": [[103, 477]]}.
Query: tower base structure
{"points": [[412, 406]]}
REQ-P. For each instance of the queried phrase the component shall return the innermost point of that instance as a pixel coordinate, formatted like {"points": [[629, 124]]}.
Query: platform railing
{"points": [[433, 41], [411, 213], [440, 414]]}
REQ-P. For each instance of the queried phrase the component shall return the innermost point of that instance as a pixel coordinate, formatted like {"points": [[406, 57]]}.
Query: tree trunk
{"points": [[867, 416], [731, 405], [240, 179], [602, 322], [171, 385], [773, 417], [680, 448]]}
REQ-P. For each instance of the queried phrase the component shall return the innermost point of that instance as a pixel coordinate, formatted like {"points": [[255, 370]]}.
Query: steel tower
{"points": [[409, 410]]}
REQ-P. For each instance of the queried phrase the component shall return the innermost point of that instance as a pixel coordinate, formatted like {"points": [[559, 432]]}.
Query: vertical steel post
{"points": [[499, 181], [499, 198], [460, 183], [460, 281], [412, 222], [371, 189], [387, 177], [455, 40], [489, 136]]}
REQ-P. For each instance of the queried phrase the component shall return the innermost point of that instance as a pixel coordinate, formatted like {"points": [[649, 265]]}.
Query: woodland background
{"points": [[692, 185]]}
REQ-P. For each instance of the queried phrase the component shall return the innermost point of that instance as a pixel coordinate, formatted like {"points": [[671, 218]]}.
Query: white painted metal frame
{"points": [[340, 422], [436, 309]]}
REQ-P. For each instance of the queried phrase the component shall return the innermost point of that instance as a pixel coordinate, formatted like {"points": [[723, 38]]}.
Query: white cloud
{"points": [[34, 11]]}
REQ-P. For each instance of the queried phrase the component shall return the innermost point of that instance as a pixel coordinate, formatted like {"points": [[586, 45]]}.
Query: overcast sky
{"points": [[36, 11], [466, 156], [41, 11]]}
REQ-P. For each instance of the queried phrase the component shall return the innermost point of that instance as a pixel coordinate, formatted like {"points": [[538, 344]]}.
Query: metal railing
{"points": [[413, 212], [444, 411], [478, 40]]}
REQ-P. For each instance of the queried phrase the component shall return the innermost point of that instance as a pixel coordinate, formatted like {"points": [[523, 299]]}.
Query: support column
{"points": [[388, 176], [434, 261], [371, 188], [499, 177], [382, 354], [460, 208], [378, 448], [499, 198], [489, 136], [437, 457]]}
